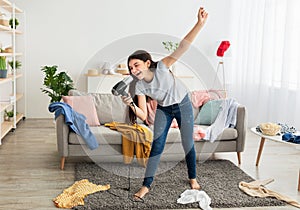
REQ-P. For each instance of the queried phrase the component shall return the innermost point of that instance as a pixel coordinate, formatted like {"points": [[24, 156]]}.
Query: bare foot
{"points": [[194, 184], [142, 192]]}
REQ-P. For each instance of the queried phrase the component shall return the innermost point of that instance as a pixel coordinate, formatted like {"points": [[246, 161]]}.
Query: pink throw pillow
{"points": [[84, 105]]}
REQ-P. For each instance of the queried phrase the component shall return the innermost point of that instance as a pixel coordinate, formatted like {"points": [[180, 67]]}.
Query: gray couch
{"points": [[111, 108]]}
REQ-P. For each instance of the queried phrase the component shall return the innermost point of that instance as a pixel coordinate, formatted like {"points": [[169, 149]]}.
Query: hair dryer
{"points": [[119, 88]]}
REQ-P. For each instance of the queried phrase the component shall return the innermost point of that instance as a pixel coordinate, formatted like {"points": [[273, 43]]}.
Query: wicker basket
{"points": [[270, 129]]}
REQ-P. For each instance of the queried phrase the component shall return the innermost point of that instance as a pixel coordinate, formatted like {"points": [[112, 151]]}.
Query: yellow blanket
{"points": [[136, 139]]}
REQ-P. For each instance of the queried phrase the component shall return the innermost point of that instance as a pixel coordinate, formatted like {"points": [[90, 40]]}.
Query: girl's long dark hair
{"points": [[144, 56]]}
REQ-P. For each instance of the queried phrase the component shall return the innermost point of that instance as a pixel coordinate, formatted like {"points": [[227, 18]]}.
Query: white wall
{"points": [[68, 33]]}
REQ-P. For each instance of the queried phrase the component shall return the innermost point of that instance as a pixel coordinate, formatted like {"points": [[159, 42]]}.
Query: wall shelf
{"points": [[8, 29], [12, 89], [5, 128], [8, 6]]}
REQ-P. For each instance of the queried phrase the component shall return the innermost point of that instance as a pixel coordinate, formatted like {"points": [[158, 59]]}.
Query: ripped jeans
{"points": [[183, 113]]}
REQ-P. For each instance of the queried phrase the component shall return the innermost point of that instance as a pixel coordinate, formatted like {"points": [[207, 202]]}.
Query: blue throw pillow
{"points": [[208, 112]]}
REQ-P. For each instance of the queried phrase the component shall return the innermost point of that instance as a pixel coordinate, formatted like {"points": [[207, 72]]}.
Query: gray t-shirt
{"points": [[164, 87]]}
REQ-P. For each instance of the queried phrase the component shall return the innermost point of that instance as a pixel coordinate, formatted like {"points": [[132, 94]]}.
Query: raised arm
{"points": [[187, 40]]}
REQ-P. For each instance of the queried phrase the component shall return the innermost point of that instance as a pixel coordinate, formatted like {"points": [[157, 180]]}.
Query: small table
{"points": [[273, 138]]}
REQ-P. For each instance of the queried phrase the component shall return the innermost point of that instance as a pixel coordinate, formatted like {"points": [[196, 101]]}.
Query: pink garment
{"points": [[200, 97], [174, 124], [151, 108], [199, 133]]}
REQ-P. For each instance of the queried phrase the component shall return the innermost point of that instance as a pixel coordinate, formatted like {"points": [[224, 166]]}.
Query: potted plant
{"points": [[57, 84], [18, 64], [9, 115], [11, 22], [3, 21], [3, 68], [170, 46]]}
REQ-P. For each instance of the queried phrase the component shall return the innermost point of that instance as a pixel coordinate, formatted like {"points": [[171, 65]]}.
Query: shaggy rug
{"points": [[218, 178]]}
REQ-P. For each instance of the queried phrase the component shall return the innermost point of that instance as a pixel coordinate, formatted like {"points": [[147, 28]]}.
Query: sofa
{"points": [[111, 108]]}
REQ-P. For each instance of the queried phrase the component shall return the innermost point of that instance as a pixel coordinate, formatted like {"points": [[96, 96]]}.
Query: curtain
{"points": [[264, 74]]}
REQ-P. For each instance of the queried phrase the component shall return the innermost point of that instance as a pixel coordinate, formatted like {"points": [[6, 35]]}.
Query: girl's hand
{"points": [[127, 99], [202, 16]]}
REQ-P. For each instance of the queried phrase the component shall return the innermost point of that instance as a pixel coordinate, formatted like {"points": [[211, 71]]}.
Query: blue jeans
{"points": [[183, 113]]}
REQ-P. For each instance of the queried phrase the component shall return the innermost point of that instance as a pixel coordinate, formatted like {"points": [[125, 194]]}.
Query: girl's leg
{"points": [[163, 119], [162, 124], [185, 121]]}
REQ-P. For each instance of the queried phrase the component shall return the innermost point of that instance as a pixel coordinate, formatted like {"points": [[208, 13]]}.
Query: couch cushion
{"points": [[103, 135], [106, 136], [109, 107], [208, 112], [84, 105], [228, 134]]}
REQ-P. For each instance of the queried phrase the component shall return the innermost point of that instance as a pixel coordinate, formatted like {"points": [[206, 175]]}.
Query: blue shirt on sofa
{"points": [[75, 121]]}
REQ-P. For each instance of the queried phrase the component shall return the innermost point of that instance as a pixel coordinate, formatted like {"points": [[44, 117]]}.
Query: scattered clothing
{"points": [[285, 128], [199, 97], [225, 119], [75, 121], [257, 189], [191, 196], [151, 109], [74, 195], [199, 133], [288, 137], [136, 139]]}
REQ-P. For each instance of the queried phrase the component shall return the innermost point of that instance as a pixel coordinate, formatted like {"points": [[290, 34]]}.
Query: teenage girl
{"points": [[156, 81]]}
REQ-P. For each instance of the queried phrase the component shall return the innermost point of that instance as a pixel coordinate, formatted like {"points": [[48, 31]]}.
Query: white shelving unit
{"points": [[12, 88]]}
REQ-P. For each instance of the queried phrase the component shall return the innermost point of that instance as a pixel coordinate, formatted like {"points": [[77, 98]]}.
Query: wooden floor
{"points": [[30, 176]]}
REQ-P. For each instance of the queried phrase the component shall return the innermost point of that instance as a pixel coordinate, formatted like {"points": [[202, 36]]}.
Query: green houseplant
{"points": [[9, 115], [11, 22], [3, 68], [170, 46], [57, 84], [18, 64]]}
